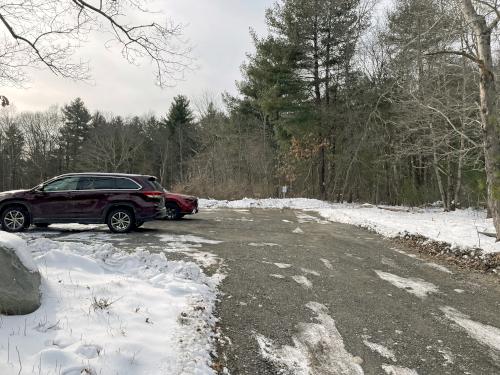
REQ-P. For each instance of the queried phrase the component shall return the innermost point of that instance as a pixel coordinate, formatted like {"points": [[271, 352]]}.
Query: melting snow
{"points": [[395, 370], [485, 334], [438, 267], [282, 265], [302, 280], [263, 244], [310, 272], [418, 287], [318, 349], [327, 263], [277, 276], [187, 238], [298, 230], [380, 349]]}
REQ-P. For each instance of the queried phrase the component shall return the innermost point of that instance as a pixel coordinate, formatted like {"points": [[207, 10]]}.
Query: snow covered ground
{"points": [[460, 228], [105, 311]]}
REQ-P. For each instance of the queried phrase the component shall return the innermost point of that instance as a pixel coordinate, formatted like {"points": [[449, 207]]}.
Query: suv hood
{"points": [[11, 193]]}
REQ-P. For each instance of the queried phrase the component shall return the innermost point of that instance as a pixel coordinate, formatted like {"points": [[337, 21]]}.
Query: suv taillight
{"points": [[153, 194], [156, 196]]}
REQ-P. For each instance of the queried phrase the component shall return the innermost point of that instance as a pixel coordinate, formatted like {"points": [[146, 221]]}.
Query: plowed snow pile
{"points": [[109, 312]]}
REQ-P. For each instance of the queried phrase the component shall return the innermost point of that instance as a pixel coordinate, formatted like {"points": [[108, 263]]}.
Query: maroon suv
{"points": [[122, 201]]}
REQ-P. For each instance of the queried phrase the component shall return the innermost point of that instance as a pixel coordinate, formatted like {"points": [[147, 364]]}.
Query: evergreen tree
{"points": [[180, 125], [74, 133]]}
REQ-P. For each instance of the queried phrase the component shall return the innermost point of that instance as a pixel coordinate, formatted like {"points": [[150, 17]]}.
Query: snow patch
{"points": [[282, 265], [298, 231], [485, 334], [327, 263], [302, 280], [438, 267], [310, 272], [277, 276], [380, 349], [318, 349], [262, 244], [418, 287], [396, 370], [188, 238]]}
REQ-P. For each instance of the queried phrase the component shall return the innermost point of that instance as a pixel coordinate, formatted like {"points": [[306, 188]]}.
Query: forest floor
{"points": [[297, 294]]}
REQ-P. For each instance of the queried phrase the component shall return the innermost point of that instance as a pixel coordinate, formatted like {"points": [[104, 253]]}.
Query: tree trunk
{"points": [[488, 98], [435, 164]]}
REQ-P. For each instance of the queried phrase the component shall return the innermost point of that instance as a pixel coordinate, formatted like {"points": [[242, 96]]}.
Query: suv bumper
{"points": [[159, 213]]}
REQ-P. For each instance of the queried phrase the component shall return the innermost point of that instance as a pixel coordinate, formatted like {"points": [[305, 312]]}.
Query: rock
{"points": [[19, 287]]}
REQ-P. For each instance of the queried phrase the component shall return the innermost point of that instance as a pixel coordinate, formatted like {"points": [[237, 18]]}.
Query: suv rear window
{"points": [[126, 184], [156, 185]]}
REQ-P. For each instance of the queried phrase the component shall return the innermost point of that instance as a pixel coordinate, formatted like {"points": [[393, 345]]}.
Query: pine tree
{"points": [[74, 133], [180, 125]]}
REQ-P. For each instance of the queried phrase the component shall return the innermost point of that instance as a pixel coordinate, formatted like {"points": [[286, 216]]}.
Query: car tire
{"points": [[15, 219], [173, 212], [120, 220]]}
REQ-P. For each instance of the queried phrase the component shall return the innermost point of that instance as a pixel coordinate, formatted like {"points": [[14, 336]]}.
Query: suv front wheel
{"points": [[120, 220], [15, 219]]}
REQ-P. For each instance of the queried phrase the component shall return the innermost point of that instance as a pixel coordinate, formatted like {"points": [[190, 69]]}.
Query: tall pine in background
{"points": [[74, 133]]}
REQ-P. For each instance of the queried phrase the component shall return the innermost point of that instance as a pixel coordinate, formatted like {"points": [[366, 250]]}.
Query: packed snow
{"points": [[105, 311], [397, 370], [302, 280], [327, 263], [318, 349], [380, 349], [485, 334], [415, 286], [461, 229], [438, 267]]}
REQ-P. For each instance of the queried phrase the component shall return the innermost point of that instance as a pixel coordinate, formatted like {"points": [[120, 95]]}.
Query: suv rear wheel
{"points": [[15, 219], [120, 220]]}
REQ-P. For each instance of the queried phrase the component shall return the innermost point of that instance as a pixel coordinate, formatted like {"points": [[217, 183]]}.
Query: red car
{"points": [[178, 205]]}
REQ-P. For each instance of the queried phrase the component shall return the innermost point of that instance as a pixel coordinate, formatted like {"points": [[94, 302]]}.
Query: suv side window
{"points": [[86, 183], [63, 184], [126, 184], [104, 183]]}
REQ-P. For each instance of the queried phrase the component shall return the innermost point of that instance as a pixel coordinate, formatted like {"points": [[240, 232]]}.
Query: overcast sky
{"points": [[218, 30]]}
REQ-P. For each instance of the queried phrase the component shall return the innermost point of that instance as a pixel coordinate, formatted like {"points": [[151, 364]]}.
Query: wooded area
{"points": [[334, 102]]}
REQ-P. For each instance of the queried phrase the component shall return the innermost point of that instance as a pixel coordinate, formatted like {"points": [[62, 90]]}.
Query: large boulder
{"points": [[19, 278]]}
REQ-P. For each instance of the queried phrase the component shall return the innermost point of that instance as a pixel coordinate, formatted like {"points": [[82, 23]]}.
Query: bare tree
{"points": [[48, 33], [483, 28]]}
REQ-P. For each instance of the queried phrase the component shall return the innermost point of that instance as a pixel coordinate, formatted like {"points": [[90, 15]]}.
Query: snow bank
{"points": [[18, 245], [460, 228], [107, 312]]}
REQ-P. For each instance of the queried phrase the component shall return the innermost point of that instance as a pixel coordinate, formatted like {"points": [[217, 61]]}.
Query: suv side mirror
{"points": [[39, 188]]}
